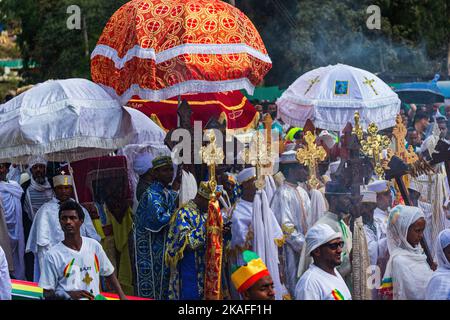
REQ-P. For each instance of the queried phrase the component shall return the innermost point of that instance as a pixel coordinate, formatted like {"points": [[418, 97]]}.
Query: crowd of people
{"points": [[287, 239]]}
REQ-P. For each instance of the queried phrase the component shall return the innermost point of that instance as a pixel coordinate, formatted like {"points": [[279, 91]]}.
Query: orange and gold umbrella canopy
{"points": [[157, 49]]}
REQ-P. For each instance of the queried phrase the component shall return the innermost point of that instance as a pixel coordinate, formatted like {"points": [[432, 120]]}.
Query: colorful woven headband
{"points": [[161, 161], [247, 275]]}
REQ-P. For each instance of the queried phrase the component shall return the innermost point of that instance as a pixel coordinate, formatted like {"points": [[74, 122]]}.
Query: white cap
{"points": [[62, 180], [142, 163], [318, 235], [288, 157], [368, 196], [246, 174], [378, 186]]}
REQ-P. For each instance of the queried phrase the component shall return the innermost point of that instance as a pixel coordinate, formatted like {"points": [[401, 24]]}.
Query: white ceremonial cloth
{"points": [[5, 280], [10, 194]]}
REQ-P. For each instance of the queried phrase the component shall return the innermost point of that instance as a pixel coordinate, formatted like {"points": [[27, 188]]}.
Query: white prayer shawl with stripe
{"points": [[11, 193], [36, 195]]}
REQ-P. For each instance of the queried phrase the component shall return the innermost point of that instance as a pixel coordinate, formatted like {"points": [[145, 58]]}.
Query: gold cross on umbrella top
{"points": [[373, 146], [311, 83], [258, 155], [212, 155], [370, 82], [310, 156]]}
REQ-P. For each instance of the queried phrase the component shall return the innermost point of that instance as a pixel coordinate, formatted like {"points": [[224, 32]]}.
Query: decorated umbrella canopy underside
{"points": [[232, 106], [158, 49]]}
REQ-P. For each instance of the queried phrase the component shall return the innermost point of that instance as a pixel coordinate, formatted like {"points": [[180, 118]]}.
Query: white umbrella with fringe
{"points": [[329, 96]]}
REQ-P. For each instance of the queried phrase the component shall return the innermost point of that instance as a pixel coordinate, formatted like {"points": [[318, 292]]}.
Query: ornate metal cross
{"points": [[258, 155], [373, 146], [311, 83], [309, 156], [212, 155], [370, 82]]}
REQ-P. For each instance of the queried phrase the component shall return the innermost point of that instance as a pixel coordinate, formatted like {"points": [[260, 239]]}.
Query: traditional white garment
{"points": [[70, 270], [438, 287], [317, 284], [267, 234], [11, 193], [407, 268], [290, 212], [4, 239], [376, 242], [5, 281], [306, 203], [318, 207], [241, 220], [382, 219], [46, 232], [36, 195], [270, 187], [14, 173], [188, 188]]}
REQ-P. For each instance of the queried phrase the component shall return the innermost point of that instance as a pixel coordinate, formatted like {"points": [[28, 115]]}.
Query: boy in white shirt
{"points": [[322, 281], [72, 268]]}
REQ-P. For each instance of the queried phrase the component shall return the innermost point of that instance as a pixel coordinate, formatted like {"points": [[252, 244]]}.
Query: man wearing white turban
{"points": [[407, 271], [439, 285], [142, 165], [37, 191], [322, 281]]}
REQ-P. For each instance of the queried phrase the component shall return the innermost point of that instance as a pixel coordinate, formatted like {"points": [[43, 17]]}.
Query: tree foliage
{"points": [[300, 35]]}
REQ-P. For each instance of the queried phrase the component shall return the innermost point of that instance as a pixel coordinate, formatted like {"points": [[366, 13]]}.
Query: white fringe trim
{"points": [[189, 48], [191, 86], [72, 149]]}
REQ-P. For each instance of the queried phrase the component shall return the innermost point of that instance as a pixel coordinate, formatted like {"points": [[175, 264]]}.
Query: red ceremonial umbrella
{"points": [[158, 49], [233, 106]]}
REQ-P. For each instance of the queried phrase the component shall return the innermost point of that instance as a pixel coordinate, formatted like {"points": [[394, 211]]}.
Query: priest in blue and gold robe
{"points": [[155, 210], [186, 246]]}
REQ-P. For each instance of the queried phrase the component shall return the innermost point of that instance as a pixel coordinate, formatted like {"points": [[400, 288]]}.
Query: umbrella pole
{"points": [[73, 181]]}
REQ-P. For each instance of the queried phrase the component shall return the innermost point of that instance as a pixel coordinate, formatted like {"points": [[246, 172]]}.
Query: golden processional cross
{"points": [[399, 133], [373, 146], [212, 155], [310, 156], [259, 156]]}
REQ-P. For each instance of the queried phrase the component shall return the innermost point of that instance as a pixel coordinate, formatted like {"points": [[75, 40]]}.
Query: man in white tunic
{"points": [[10, 194], [291, 213], [322, 281], [339, 199], [37, 191], [46, 230], [5, 281], [384, 202], [72, 268], [241, 216]]}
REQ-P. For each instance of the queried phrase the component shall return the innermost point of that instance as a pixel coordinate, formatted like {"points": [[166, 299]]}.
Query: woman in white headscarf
{"points": [[439, 285], [407, 271]]}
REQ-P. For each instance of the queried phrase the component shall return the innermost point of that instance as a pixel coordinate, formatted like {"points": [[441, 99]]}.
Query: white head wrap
{"points": [[318, 235], [36, 160], [246, 174], [378, 186], [400, 218], [368, 196], [442, 242], [142, 163]]}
